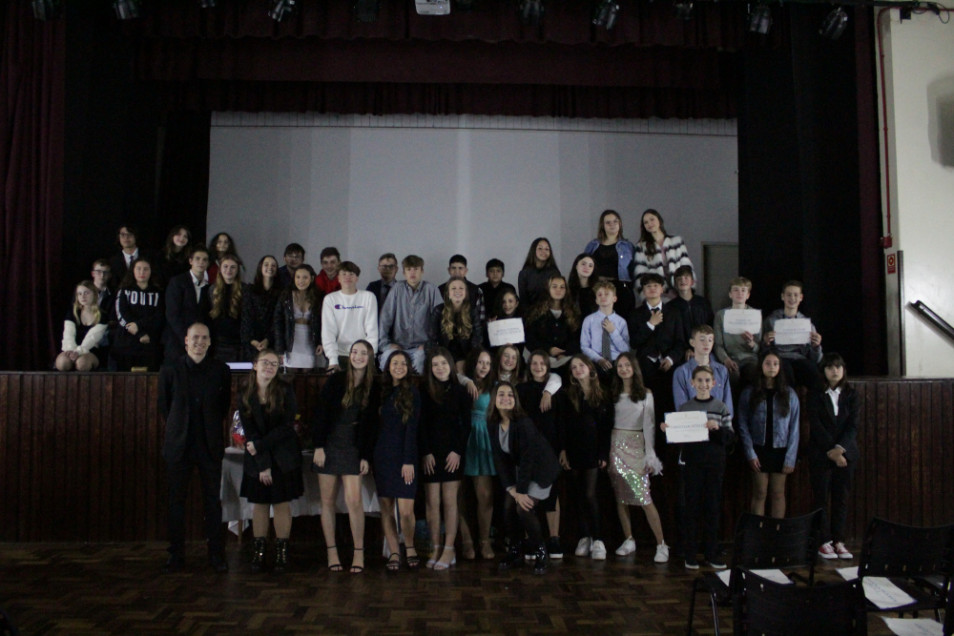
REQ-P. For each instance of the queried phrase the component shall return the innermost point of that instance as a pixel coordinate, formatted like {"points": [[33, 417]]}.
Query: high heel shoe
{"points": [[357, 569], [441, 565], [334, 567]]}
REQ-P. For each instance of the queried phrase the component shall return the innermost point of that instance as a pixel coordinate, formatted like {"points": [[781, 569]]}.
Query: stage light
{"points": [[47, 9], [606, 13], [127, 9], [531, 12], [834, 24], [366, 10], [206, 4], [682, 9], [432, 7], [282, 9], [760, 19]]}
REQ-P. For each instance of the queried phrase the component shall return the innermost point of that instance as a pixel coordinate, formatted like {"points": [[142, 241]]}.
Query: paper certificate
{"points": [[793, 331], [685, 427], [737, 321], [506, 331]]}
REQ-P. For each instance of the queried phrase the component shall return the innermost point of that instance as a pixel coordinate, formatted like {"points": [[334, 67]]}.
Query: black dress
{"points": [[396, 445], [444, 428], [530, 394], [276, 447], [258, 318], [345, 433], [771, 460], [584, 434]]}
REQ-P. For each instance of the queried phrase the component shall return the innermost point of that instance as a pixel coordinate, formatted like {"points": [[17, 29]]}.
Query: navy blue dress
{"points": [[396, 445]]}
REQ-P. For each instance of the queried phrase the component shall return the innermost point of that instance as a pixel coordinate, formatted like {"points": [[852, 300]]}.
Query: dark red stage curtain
{"points": [[32, 83]]}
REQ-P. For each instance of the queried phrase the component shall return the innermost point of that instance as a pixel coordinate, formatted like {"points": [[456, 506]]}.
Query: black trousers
{"points": [[703, 487], [210, 478], [829, 480], [518, 521]]}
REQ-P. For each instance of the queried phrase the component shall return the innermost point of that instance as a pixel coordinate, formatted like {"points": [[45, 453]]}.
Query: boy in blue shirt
{"points": [[604, 334]]}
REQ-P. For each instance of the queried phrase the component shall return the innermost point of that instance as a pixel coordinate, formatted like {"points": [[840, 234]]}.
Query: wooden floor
{"points": [[119, 589]]}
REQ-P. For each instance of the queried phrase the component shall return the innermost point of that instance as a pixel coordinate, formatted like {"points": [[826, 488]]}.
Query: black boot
{"points": [[513, 558], [281, 555], [542, 563], [258, 554]]}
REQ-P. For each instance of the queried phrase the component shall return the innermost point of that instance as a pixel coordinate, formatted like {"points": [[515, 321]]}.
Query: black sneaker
{"points": [[692, 564], [554, 549], [716, 563]]}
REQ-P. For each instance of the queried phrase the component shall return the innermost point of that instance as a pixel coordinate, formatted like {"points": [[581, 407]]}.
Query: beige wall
{"points": [[919, 85]]}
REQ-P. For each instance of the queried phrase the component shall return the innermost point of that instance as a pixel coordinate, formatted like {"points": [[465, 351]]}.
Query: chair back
{"points": [[893, 549], [774, 609], [767, 543]]}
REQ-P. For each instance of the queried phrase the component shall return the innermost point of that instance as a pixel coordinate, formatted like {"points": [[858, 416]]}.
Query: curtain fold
{"points": [[32, 88]]}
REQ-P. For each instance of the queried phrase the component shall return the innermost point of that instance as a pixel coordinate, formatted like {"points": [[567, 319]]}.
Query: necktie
{"points": [[605, 351]]}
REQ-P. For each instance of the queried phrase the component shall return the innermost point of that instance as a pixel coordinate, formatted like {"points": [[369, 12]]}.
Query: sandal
{"points": [[413, 560], [486, 549], [334, 567], [357, 569], [394, 562], [440, 565]]}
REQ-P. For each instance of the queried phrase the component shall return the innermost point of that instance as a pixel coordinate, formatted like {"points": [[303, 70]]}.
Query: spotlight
{"points": [[366, 10], [281, 10], [432, 7], [206, 4], [531, 12], [127, 9], [47, 9], [606, 13], [760, 19], [834, 24], [682, 9]]}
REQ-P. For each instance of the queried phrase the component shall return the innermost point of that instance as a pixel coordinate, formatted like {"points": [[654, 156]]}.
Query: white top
{"points": [[346, 319]]}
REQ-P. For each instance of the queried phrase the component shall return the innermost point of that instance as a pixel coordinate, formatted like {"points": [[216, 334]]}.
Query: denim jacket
{"points": [[752, 426], [626, 252]]}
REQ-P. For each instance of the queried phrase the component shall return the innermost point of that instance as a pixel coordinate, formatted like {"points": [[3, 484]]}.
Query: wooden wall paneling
{"points": [[151, 451], [900, 473], [943, 460], [9, 453], [921, 470], [61, 396], [79, 471], [30, 478]]}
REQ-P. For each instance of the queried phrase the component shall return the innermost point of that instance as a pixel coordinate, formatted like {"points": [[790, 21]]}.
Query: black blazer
{"points": [[828, 431], [182, 310], [174, 406], [118, 267], [376, 287], [273, 434], [546, 332], [530, 457], [663, 341]]}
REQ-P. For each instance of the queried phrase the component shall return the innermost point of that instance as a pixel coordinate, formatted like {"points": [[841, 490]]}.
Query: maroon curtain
{"points": [[32, 83]]}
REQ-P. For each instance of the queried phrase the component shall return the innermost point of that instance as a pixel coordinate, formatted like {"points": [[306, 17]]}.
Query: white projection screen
{"points": [[481, 186]]}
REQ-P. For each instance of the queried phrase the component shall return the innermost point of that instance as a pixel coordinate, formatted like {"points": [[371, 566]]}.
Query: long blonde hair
{"points": [[219, 291], [456, 323], [94, 308], [275, 395]]}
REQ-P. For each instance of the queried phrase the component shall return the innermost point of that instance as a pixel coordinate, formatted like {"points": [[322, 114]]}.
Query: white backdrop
{"points": [[482, 187]]}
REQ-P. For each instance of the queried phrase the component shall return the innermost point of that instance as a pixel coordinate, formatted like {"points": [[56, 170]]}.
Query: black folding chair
{"points": [[760, 543], [775, 609], [917, 560]]}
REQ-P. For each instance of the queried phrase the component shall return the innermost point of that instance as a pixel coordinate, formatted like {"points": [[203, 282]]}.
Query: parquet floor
{"points": [[119, 589]]}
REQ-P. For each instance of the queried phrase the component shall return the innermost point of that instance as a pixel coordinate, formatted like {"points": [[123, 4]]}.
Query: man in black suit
{"points": [[656, 335], [194, 398], [187, 302], [387, 267], [121, 262]]}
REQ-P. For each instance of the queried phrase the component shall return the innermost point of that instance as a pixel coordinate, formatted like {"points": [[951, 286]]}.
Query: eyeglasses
{"points": [[101, 271], [269, 363]]}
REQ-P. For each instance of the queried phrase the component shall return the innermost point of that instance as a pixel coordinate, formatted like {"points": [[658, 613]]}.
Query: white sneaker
{"points": [[628, 547], [583, 547], [842, 551], [598, 551], [662, 553], [827, 551]]}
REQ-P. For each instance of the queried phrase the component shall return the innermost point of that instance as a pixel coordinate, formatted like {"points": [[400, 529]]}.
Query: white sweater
{"points": [[346, 319]]}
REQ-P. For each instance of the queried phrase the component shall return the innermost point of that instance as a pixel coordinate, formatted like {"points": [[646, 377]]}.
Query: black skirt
{"points": [[772, 460], [285, 487]]}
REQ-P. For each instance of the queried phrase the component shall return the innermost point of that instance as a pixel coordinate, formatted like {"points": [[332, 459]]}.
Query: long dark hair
{"points": [[637, 391], [493, 415], [531, 261], [575, 390], [258, 284], [518, 371], [213, 250], [311, 294], [434, 388], [573, 283], [403, 392], [645, 237], [129, 280], [780, 385], [835, 360], [470, 370], [571, 313], [275, 392], [169, 250], [601, 232]]}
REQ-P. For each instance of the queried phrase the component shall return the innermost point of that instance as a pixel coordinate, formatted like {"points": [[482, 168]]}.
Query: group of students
{"points": [[607, 351]]}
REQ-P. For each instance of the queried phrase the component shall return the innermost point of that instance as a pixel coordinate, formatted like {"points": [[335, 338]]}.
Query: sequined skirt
{"points": [[627, 462]]}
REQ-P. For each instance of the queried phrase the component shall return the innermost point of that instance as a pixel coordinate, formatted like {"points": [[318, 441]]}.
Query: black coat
{"points": [[546, 332], [284, 326], [828, 431], [276, 442], [665, 341], [530, 457], [183, 310], [174, 381]]}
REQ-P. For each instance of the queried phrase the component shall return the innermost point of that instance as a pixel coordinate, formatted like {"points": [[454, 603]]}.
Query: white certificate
{"points": [[686, 426], [737, 321], [793, 331], [914, 626], [506, 331]]}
